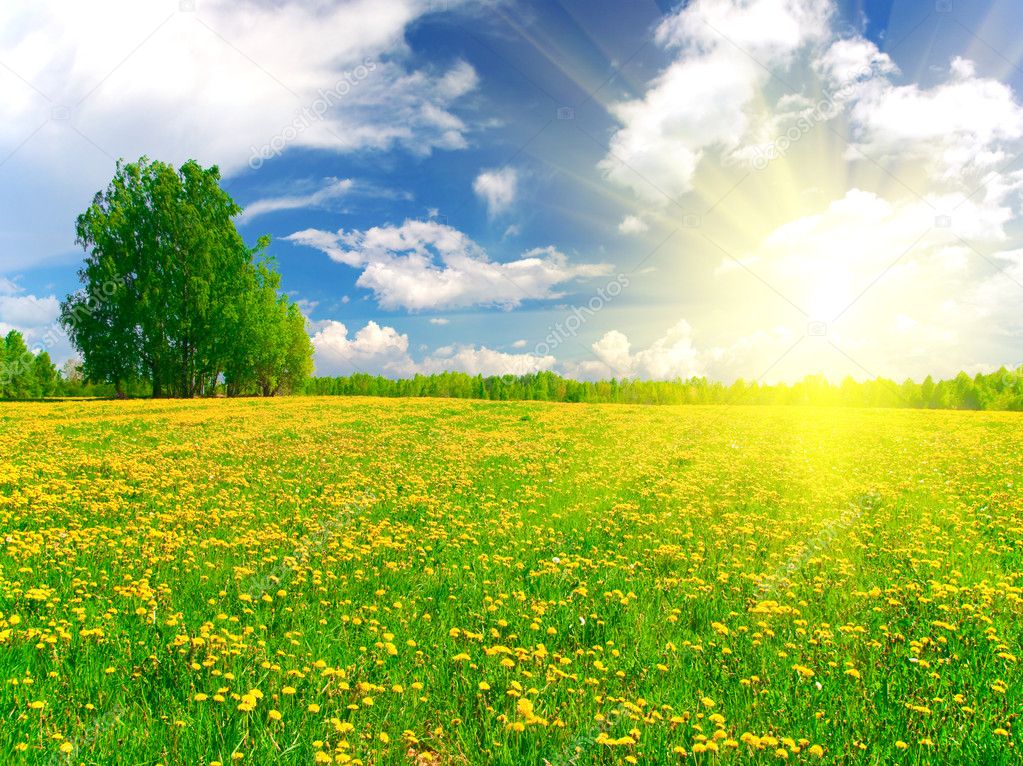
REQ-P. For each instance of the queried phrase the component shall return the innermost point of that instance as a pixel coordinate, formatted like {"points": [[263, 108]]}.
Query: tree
{"points": [[17, 368], [171, 294], [298, 356], [45, 373], [271, 352], [72, 378]]}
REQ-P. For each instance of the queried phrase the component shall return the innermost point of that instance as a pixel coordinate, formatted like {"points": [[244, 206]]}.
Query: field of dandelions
{"points": [[369, 581]]}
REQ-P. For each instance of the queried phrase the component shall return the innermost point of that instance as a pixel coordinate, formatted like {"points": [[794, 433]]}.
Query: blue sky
{"points": [[591, 187]]}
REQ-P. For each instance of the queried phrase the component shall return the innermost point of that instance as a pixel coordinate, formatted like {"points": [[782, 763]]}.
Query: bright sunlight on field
{"points": [[436, 581]]}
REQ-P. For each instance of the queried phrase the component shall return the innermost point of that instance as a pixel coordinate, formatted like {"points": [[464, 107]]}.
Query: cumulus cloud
{"points": [[633, 224], [725, 50], [497, 188], [384, 351], [373, 349], [84, 84], [671, 356], [849, 62], [914, 275], [28, 311], [484, 361], [958, 129], [429, 265], [898, 292], [711, 100]]}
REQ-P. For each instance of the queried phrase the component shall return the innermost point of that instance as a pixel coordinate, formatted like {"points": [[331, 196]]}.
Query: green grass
{"points": [[662, 579]]}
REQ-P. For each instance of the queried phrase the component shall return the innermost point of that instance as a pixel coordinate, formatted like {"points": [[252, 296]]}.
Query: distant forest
{"points": [[1001, 390], [31, 375]]}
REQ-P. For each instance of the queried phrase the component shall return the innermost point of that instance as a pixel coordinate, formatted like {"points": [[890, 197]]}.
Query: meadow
{"points": [[457, 582]]}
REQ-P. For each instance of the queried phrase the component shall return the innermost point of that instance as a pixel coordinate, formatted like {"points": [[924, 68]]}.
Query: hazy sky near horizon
{"points": [[730, 188]]}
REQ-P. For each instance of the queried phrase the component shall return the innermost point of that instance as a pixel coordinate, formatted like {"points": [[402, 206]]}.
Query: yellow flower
{"points": [[274, 715]]}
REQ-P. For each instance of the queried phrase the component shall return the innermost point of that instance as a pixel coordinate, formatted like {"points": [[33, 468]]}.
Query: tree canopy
{"points": [[172, 296]]}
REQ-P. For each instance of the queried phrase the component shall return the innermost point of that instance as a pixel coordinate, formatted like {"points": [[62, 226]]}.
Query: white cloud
{"points": [[702, 100], [29, 311], [373, 349], [36, 318], [334, 189], [520, 344], [438, 320], [958, 129], [633, 224], [676, 355], [497, 188], [428, 265], [85, 83], [240, 73], [714, 100], [850, 61], [484, 361], [899, 294], [384, 351], [937, 294], [670, 356]]}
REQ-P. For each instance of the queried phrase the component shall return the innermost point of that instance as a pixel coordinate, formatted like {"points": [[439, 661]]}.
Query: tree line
{"points": [[31, 374], [172, 300], [25, 374], [1000, 390]]}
